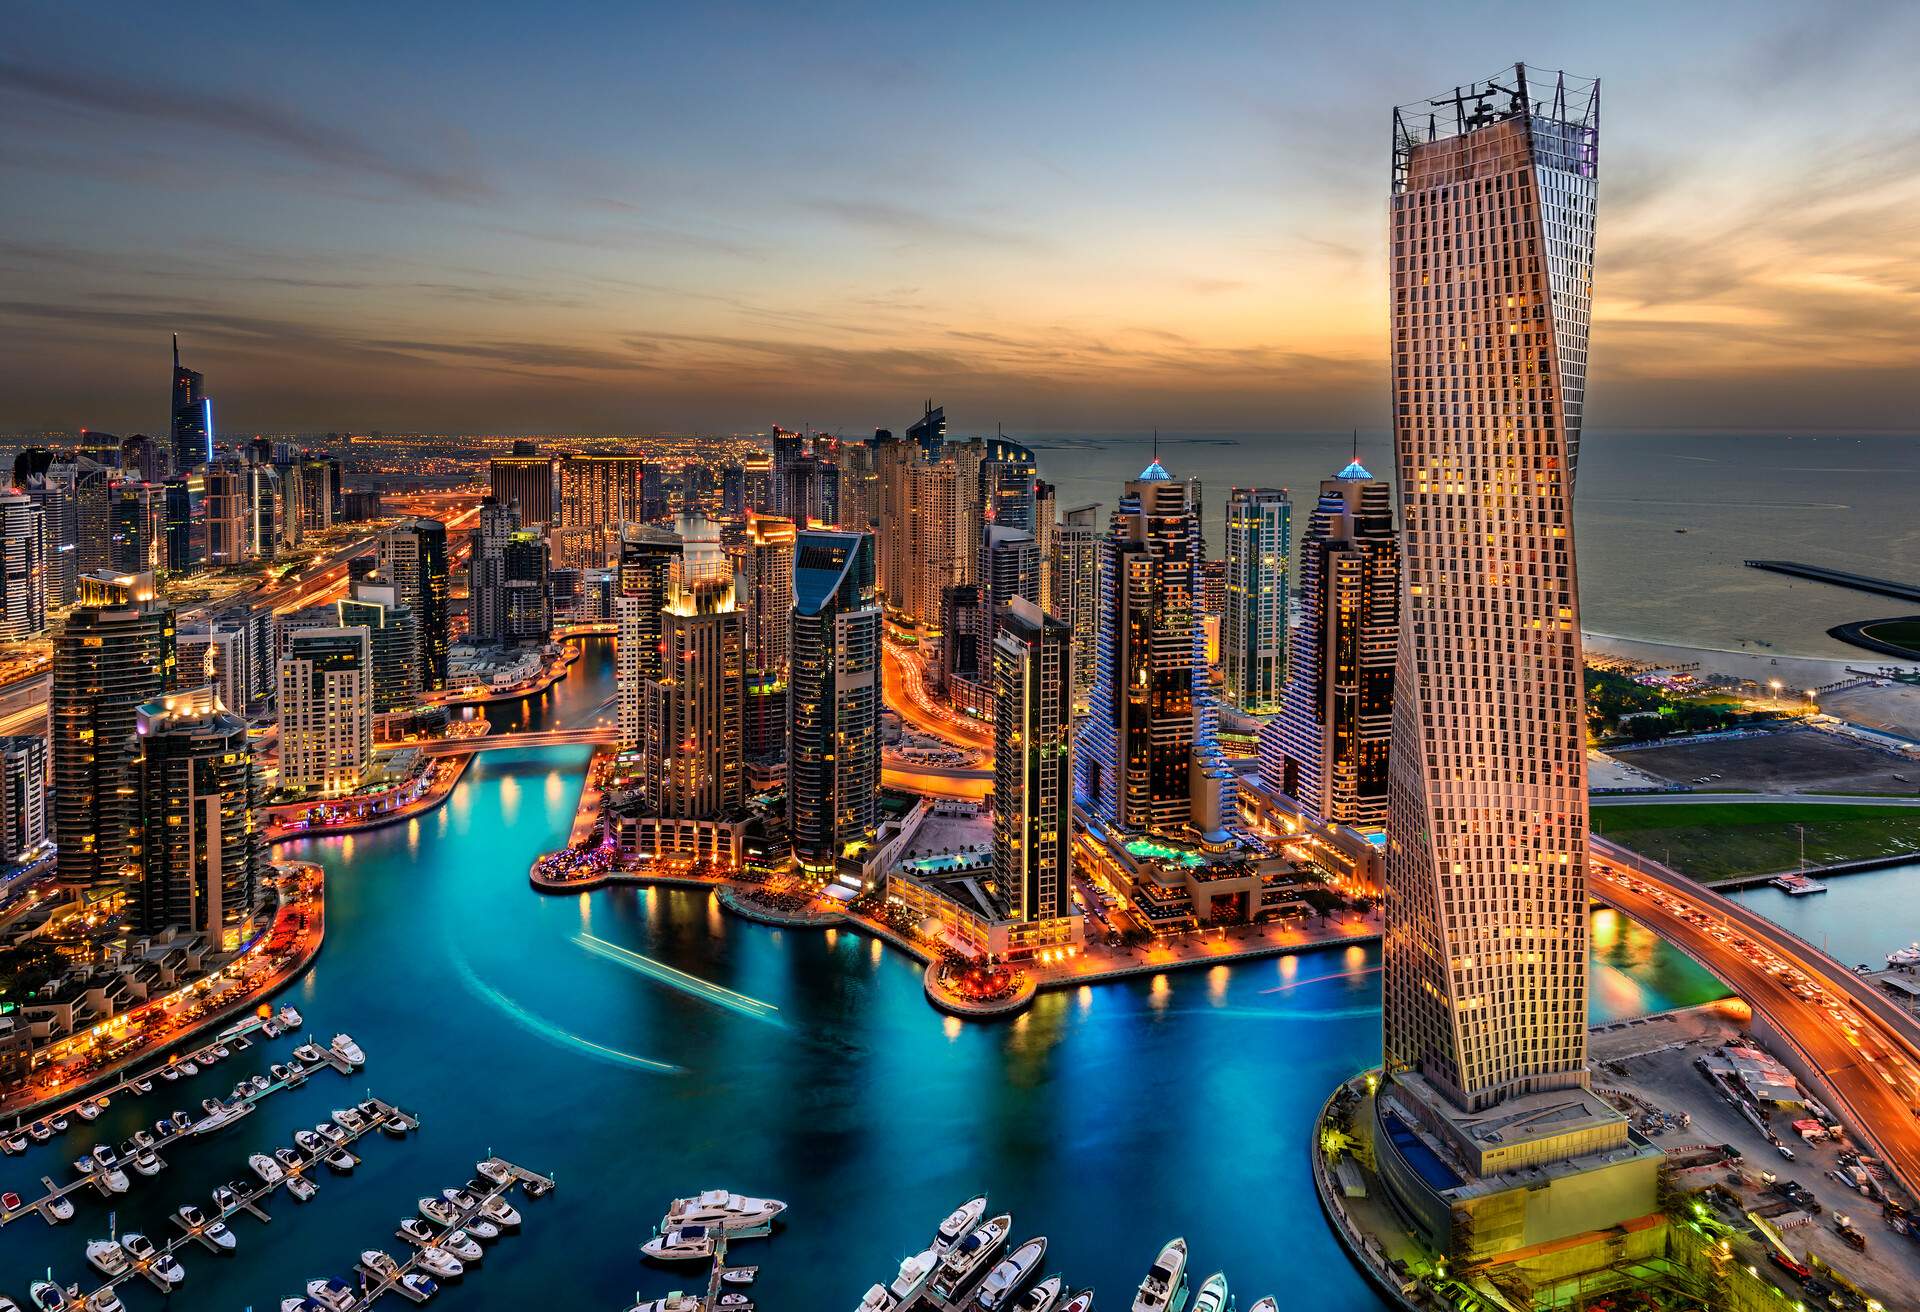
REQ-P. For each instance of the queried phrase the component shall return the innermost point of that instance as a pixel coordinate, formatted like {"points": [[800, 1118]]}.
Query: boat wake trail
{"points": [[679, 979], [1321, 979], [551, 1032]]}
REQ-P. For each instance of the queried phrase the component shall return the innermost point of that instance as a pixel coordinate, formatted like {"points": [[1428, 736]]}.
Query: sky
{"points": [[632, 217]]}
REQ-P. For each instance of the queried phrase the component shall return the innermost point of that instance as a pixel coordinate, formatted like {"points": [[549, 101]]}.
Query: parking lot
{"points": [[1793, 760]]}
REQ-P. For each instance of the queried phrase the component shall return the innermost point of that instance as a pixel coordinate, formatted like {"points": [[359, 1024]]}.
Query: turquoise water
{"points": [[1859, 919], [1110, 1118]]}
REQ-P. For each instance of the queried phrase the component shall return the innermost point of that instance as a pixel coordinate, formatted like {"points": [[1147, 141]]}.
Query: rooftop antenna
{"points": [[1356, 446], [1156, 444], [176, 350]]}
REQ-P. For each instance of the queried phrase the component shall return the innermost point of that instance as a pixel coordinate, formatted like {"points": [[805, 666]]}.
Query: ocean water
{"points": [[1842, 501], [1109, 1119], [1859, 919]]}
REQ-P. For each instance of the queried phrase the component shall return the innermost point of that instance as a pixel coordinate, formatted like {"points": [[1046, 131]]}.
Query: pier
{"points": [[1839, 578], [373, 1283], [298, 1072], [378, 1115]]}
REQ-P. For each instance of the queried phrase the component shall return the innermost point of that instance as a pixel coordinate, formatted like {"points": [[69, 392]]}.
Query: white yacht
{"points": [[1213, 1296], [186, 1066], [964, 1260], [289, 1018], [88, 1111], [1043, 1297], [348, 1051], [494, 1169], [1165, 1280], [500, 1212], [167, 1267], [1080, 1302], [215, 1231], [100, 1300], [60, 1209], [266, 1168], [169, 1073], [420, 1284], [462, 1247], [341, 1161], [914, 1274], [335, 1295], [307, 1052], [148, 1162], [1011, 1273], [416, 1231], [717, 1207], [674, 1302], [379, 1261], [1265, 1305], [438, 1262], [438, 1209], [349, 1120], [680, 1244], [223, 1119], [959, 1221], [108, 1258], [301, 1188]]}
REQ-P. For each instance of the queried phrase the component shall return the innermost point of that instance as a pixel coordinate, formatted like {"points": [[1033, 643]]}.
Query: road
{"points": [[907, 696], [1867, 1054], [1738, 799]]}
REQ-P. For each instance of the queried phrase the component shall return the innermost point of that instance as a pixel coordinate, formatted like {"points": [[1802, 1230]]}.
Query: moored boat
{"points": [[1010, 1274], [1164, 1280], [1213, 1296]]}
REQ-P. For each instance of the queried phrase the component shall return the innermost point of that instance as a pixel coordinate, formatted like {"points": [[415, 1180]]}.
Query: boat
{"points": [[40, 1132], [142, 1139], [148, 1163], [1080, 1302], [341, 1161], [462, 1247], [163, 1129], [260, 1084], [1011, 1273], [680, 1244], [329, 1131], [1797, 885], [537, 1188], [460, 1198], [88, 1112], [440, 1263], [335, 1295], [224, 1198], [912, 1277], [143, 1086], [1265, 1305], [501, 1212], [674, 1302], [438, 1209], [60, 1209], [167, 1269], [108, 1257], [300, 1305], [420, 1284], [101, 1300], [393, 1127], [301, 1188], [271, 1029], [181, 1120], [212, 1105], [9, 1202], [223, 1118], [280, 1072], [416, 1230], [728, 1211], [241, 1043], [959, 1221], [349, 1120], [266, 1168], [13, 1144], [494, 1169], [739, 1275], [1213, 1295], [288, 1158], [1165, 1280], [379, 1261], [308, 1052], [288, 1018], [60, 1124], [112, 1179], [481, 1228], [46, 1296], [1043, 1297], [1907, 957], [966, 1258], [215, 1231], [306, 1141], [169, 1073], [348, 1051]]}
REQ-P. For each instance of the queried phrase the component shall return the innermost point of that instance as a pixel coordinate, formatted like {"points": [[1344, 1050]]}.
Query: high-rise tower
{"points": [[413, 558], [694, 735], [833, 699], [1486, 902], [1328, 747], [197, 852], [192, 417], [1033, 766], [1253, 619], [23, 568]]}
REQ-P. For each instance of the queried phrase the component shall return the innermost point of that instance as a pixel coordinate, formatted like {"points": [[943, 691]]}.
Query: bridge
{"points": [[500, 742], [1861, 1051]]}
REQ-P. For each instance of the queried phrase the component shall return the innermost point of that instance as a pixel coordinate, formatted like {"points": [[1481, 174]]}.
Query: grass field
{"points": [[1723, 840], [1901, 633]]}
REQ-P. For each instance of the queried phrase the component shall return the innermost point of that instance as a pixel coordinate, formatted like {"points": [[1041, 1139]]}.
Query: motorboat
{"points": [[60, 1124], [224, 1198], [13, 1144], [349, 1120], [241, 1090], [280, 1072], [148, 1163], [674, 1302], [379, 1261], [416, 1230], [329, 1131], [163, 1129], [438, 1209], [1080, 1302], [88, 1112], [112, 1179], [680, 1244], [1265, 1305], [108, 1257], [266, 1168], [960, 1221], [143, 1086], [537, 1188], [288, 1018], [394, 1127], [439, 1262], [223, 1118], [289, 1158], [84, 1165], [306, 1141], [222, 1051], [300, 1305], [501, 1212], [9, 1202], [460, 1198], [187, 1066], [348, 1051], [420, 1284], [181, 1120], [1213, 1294], [308, 1052], [1011, 1273], [481, 1228], [334, 1295], [211, 1106], [260, 1084], [341, 1161], [167, 1269], [102, 1300], [739, 1275], [142, 1139], [271, 1029], [733, 1298], [461, 1245], [912, 1278], [1043, 1297], [169, 1073], [105, 1158], [215, 1231], [59, 1210], [40, 1132], [728, 1211], [241, 1043], [46, 1296], [962, 1261], [301, 1188], [1164, 1280], [494, 1169]]}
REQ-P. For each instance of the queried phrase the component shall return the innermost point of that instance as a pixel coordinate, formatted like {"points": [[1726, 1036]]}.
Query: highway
{"points": [[1866, 1052], [906, 695]]}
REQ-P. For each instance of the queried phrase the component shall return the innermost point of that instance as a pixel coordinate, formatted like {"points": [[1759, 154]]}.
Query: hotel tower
{"points": [[1492, 273]]}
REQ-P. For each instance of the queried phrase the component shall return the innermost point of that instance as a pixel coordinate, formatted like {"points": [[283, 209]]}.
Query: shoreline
{"points": [[432, 800], [1806, 671]]}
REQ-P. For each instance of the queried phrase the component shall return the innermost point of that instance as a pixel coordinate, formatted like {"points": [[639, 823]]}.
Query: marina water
{"points": [[1108, 1119]]}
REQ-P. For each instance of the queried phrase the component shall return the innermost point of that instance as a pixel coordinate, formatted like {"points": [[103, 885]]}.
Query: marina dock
{"points": [[298, 1073], [1840, 578], [373, 1284], [382, 1113]]}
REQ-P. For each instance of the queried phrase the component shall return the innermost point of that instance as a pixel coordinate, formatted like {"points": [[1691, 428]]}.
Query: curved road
{"points": [[1738, 799], [1865, 1051], [904, 689]]}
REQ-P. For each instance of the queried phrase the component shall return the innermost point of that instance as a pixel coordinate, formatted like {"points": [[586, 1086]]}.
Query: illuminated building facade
{"points": [[326, 709], [23, 568], [197, 851], [192, 417], [1033, 766], [833, 700], [694, 723], [1253, 611], [413, 558]]}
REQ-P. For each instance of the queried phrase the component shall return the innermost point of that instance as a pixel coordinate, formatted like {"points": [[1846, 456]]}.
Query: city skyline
{"points": [[1106, 238]]}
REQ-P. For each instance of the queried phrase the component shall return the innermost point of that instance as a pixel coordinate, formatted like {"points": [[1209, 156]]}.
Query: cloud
{"points": [[921, 227], [263, 122]]}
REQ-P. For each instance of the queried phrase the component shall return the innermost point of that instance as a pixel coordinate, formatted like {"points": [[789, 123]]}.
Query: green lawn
{"points": [[1723, 840], [1901, 633]]}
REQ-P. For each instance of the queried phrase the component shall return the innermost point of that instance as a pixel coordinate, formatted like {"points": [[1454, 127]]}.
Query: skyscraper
{"points": [[192, 417], [1327, 749], [598, 493], [1033, 766], [23, 568], [137, 524], [833, 700], [186, 524], [197, 853], [930, 431], [1486, 903], [1253, 618], [393, 640], [1009, 568], [1076, 594], [937, 548], [413, 558], [695, 765], [1046, 536], [646, 559], [1148, 759], [115, 653], [326, 709], [229, 537], [766, 568], [525, 482], [23, 799], [487, 571], [529, 607]]}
